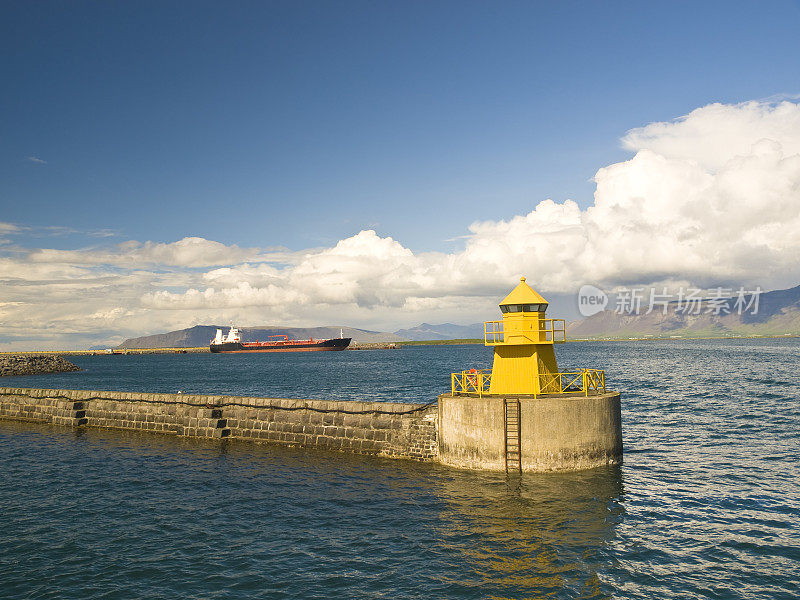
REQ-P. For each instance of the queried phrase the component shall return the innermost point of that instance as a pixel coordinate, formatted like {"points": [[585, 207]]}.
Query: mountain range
{"points": [[445, 331], [778, 314]]}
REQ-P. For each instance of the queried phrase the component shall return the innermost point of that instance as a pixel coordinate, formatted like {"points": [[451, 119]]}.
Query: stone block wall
{"points": [[386, 429], [163, 413], [32, 408]]}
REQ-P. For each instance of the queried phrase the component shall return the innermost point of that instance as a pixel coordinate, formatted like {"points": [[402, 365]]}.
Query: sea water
{"points": [[706, 505]]}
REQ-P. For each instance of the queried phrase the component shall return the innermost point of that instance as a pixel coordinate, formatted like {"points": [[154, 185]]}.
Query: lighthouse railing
{"points": [[492, 332], [471, 382], [594, 380], [585, 382], [550, 331]]}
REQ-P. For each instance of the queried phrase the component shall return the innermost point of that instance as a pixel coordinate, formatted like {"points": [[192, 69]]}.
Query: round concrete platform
{"points": [[556, 433]]}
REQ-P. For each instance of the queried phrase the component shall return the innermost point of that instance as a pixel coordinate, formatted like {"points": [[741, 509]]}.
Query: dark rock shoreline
{"points": [[34, 364]]}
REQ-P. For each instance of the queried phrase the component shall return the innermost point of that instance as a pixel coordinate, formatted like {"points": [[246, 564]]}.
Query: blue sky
{"points": [[300, 123], [380, 164]]}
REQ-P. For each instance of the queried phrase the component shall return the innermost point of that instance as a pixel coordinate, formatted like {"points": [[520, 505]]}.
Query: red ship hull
{"points": [[281, 346]]}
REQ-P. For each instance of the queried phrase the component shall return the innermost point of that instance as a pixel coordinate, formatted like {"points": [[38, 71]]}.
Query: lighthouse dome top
{"points": [[523, 298]]}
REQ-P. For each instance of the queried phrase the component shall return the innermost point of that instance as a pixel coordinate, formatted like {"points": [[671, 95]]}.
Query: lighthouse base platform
{"points": [[553, 433]]}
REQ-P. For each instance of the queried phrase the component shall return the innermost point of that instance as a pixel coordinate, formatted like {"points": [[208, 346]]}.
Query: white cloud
{"points": [[7, 228], [242, 295], [710, 198], [188, 252], [36, 160], [713, 135], [7, 231]]}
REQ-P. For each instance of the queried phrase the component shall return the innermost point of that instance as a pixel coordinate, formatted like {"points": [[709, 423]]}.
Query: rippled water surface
{"points": [[707, 504]]}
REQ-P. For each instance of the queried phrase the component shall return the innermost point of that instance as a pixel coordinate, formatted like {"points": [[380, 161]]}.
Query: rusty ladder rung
{"points": [[511, 424]]}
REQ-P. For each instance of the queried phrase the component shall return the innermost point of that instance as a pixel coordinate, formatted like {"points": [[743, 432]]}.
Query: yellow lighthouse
{"points": [[524, 358], [524, 355]]}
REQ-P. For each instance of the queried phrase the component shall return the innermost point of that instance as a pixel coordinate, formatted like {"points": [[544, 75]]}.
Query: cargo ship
{"points": [[232, 343]]}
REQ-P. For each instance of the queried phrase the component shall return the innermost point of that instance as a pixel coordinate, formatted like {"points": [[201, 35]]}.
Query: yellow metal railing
{"points": [[584, 382], [493, 330], [594, 379], [471, 382], [550, 331]]}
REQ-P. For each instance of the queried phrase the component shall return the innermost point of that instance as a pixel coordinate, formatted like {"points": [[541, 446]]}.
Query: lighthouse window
{"points": [[515, 308]]}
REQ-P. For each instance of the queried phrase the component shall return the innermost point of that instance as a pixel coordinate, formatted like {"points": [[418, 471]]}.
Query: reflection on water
{"points": [[149, 515], [539, 534]]}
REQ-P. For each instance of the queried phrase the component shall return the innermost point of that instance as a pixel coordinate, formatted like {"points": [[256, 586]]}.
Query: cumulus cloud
{"points": [[712, 198], [241, 295], [37, 160], [713, 135]]}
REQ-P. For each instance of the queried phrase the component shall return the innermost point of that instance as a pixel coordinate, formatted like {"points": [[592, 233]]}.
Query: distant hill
{"points": [[200, 335], [445, 331], [778, 314]]}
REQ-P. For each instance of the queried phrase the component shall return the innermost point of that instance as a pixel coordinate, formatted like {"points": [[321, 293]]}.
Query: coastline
{"points": [[390, 345], [675, 338]]}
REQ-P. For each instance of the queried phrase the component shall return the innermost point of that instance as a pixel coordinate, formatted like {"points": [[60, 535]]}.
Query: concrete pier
{"points": [[561, 433]]}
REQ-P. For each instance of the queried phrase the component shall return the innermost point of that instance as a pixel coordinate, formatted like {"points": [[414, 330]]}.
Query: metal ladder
{"points": [[511, 414]]}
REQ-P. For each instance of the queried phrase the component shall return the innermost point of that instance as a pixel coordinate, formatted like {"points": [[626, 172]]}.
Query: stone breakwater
{"points": [[35, 364], [553, 433], [377, 428]]}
